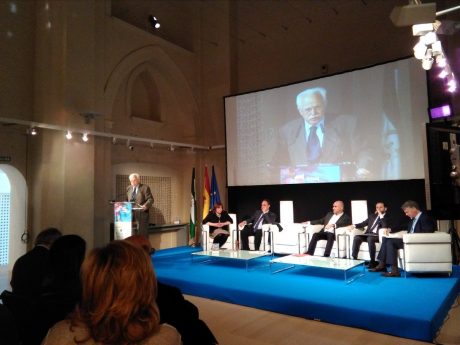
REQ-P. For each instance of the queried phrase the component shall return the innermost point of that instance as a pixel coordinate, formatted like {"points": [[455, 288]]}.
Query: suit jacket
{"points": [[268, 218], [369, 222], [341, 143], [344, 220], [424, 224], [29, 272], [143, 196]]}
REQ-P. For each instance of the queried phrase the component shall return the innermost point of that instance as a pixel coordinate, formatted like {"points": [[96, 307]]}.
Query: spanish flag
{"points": [[206, 193]]}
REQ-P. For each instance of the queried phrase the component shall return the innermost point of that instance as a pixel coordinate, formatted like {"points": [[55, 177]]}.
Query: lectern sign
{"points": [[123, 219]]}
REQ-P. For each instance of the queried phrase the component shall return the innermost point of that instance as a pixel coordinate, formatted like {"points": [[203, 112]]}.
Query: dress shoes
{"points": [[378, 268], [371, 265], [391, 274]]}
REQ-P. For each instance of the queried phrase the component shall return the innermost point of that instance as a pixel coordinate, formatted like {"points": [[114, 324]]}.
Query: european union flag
{"points": [[215, 196]]}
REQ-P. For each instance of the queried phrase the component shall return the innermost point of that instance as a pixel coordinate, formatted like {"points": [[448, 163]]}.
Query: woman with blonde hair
{"points": [[118, 302]]}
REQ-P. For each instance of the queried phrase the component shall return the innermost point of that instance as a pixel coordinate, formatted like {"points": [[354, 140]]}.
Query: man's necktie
{"points": [[133, 195], [256, 225], [313, 145], [375, 225], [412, 228]]}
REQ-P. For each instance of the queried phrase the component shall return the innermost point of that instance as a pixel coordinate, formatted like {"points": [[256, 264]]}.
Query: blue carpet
{"points": [[412, 307]]}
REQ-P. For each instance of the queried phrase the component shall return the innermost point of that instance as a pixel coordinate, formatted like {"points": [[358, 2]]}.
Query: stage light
{"points": [[443, 74], [441, 61], [84, 137], [32, 131], [68, 135], [154, 22], [422, 29], [427, 63], [420, 50]]}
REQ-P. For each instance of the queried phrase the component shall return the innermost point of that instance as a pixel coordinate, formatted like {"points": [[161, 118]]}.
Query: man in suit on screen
{"points": [[319, 138], [142, 198]]}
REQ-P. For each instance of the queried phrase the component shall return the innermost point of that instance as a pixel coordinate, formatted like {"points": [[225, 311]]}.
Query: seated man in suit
{"points": [[253, 225], [375, 221], [335, 219], [420, 222]]}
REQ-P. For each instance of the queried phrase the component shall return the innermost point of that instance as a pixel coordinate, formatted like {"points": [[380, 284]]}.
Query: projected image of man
{"points": [[320, 138]]}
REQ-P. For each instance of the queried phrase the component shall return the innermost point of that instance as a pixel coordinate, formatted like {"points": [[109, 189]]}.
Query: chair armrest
{"points": [[344, 230], [355, 232], [205, 227], [311, 229], [435, 237]]}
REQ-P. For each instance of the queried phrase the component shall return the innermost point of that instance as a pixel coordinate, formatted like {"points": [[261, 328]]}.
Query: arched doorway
{"points": [[13, 215]]}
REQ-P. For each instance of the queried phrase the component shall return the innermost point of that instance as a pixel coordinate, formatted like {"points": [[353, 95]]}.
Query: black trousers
{"points": [[248, 231], [221, 239], [322, 235], [371, 241]]}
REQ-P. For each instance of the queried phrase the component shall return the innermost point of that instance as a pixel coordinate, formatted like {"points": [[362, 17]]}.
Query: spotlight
{"points": [[154, 22], [68, 135], [84, 137], [427, 63], [420, 50], [114, 140], [172, 148], [129, 146], [32, 131]]}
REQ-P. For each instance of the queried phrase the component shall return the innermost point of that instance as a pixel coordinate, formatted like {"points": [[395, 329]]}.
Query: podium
{"points": [[123, 219]]}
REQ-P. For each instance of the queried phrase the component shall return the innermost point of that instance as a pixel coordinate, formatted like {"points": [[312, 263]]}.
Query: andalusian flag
{"points": [[215, 196], [193, 209], [206, 193]]}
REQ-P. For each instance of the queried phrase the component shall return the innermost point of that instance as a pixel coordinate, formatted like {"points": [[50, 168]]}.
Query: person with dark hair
{"points": [[253, 225], [331, 221], [176, 310], [31, 268], [118, 302], [61, 287], [419, 222], [375, 221], [218, 220]]}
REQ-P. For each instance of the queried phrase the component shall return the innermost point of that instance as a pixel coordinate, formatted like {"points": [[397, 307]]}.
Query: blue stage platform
{"points": [[412, 307]]}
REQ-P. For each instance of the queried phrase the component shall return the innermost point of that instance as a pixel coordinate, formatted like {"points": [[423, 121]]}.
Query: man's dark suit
{"points": [[267, 218], [389, 250], [344, 220], [143, 197], [340, 143], [371, 235]]}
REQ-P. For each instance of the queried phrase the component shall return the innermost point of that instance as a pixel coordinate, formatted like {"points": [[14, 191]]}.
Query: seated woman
{"points": [[118, 302], [218, 221]]}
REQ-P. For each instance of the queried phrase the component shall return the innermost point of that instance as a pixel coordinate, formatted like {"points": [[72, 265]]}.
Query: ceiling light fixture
{"points": [[32, 131], [68, 135], [154, 22], [84, 137]]}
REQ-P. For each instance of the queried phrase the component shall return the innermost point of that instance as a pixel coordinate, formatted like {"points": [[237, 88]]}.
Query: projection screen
{"points": [[363, 125]]}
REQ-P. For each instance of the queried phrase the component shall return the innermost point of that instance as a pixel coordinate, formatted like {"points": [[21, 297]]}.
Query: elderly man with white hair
{"points": [[142, 198]]}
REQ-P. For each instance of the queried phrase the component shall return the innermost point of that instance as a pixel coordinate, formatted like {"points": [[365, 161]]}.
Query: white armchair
{"points": [[207, 240], [426, 252], [339, 247], [291, 240]]}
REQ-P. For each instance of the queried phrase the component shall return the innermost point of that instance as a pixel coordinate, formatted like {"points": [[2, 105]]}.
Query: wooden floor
{"points": [[237, 325]]}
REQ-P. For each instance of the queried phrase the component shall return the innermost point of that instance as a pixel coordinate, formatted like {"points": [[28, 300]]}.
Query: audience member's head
{"points": [[47, 237], [66, 256], [142, 241], [118, 296]]}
